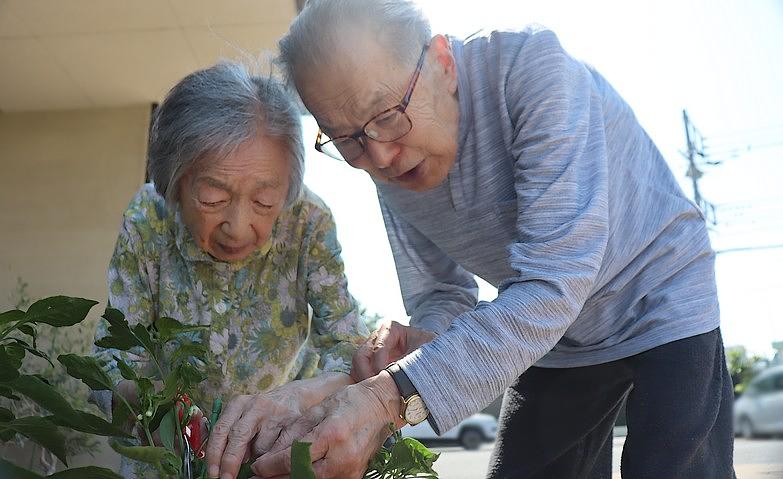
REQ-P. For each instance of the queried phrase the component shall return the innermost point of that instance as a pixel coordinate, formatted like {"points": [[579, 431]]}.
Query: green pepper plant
{"points": [[175, 355]]}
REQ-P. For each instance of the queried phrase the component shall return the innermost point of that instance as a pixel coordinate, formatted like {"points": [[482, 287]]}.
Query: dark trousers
{"points": [[557, 423]]}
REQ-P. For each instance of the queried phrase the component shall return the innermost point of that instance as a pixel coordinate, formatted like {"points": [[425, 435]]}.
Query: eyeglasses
{"points": [[387, 126]]}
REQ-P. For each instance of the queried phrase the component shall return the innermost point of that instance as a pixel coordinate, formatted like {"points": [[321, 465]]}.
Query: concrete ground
{"points": [[753, 459]]}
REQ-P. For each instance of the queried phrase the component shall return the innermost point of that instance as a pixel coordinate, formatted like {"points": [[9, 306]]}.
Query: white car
{"points": [[470, 433], [759, 411]]}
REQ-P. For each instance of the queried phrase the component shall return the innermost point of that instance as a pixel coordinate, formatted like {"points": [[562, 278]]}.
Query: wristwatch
{"points": [[412, 407]]}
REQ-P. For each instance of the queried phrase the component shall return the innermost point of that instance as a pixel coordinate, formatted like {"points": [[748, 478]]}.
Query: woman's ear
{"points": [[440, 51]]}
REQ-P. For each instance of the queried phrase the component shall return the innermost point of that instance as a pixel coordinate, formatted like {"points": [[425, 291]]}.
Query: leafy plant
{"points": [[18, 337], [405, 458], [51, 341], [174, 356]]}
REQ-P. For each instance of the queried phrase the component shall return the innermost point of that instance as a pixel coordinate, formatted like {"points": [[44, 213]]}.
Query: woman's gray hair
{"points": [[212, 112], [313, 37]]}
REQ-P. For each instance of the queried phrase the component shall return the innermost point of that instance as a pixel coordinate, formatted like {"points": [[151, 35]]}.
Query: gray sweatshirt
{"points": [[560, 199]]}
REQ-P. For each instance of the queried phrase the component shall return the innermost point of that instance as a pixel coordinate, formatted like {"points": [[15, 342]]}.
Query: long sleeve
{"points": [[560, 180], [338, 327], [435, 289]]}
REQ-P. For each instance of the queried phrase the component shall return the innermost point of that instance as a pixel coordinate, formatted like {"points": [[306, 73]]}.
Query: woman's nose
{"points": [[238, 223]]}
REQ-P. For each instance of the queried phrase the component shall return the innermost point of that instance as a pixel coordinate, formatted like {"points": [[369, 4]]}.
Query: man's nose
{"points": [[382, 154]]}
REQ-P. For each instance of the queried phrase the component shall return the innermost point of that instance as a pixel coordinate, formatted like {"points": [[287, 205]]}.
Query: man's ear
{"points": [[440, 51]]}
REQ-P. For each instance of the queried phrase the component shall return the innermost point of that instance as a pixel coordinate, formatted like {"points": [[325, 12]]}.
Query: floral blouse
{"points": [[283, 313]]}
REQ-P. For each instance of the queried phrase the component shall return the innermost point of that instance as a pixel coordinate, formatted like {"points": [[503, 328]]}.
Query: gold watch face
{"points": [[415, 410]]}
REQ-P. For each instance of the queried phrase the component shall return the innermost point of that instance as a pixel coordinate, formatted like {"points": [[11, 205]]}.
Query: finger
{"points": [[381, 334], [273, 464], [239, 439], [300, 428], [391, 338], [218, 436], [279, 463], [361, 365], [265, 439]]}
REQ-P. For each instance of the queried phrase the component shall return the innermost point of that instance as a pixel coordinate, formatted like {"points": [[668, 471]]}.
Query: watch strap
{"points": [[404, 384]]}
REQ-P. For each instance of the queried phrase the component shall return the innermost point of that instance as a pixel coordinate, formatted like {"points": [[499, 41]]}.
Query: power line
{"points": [[749, 248], [695, 147]]}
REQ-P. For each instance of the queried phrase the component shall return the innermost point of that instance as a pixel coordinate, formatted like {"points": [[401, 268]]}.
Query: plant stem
{"points": [[148, 434]]}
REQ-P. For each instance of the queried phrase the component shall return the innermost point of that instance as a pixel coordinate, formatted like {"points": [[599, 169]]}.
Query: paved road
{"points": [[756, 459]]}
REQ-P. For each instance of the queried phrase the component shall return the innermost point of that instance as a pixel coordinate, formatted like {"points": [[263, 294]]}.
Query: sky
{"points": [[720, 60]]}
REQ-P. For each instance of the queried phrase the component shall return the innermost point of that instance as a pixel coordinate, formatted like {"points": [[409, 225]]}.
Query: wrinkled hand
{"points": [[250, 425], [345, 431], [389, 343]]}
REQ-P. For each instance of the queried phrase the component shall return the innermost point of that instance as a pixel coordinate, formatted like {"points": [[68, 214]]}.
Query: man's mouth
{"points": [[408, 175]]}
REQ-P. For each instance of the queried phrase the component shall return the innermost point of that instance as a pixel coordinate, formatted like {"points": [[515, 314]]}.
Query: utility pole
{"points": [[695, 144]]}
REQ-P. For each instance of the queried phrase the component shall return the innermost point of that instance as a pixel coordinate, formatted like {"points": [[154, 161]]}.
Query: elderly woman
{"points": [[227, 235]]}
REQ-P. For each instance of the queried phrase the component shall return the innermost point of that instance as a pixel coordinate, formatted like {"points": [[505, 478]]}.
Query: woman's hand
{"points": [[345, 431], [250, 425], [390, 342]]}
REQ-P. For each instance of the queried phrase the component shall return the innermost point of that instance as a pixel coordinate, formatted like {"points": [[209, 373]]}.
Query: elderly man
{"points": [[504, 157]]}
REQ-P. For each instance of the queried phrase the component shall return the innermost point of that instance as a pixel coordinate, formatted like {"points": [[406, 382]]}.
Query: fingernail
{"points": [[214, 471]]}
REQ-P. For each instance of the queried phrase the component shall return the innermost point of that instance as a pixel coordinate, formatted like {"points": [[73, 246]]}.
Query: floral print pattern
{"points": [[281, 314]]}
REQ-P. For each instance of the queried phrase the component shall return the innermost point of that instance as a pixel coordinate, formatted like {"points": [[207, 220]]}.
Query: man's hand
{"points": [[390, 342], [345, 431], [250, 425]]}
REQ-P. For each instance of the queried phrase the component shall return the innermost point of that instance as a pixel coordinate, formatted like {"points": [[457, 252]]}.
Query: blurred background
{"points": [[79, 79]]}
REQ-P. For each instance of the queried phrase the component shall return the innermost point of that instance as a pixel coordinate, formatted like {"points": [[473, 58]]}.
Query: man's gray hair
{"points": [[398, 25], [214, 111]]}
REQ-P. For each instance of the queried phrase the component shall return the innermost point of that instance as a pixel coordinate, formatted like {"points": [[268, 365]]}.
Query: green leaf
{"points": [[189, 350], [190, 375], [88, 369], [160, 457], [91, 424], [15, 351], [126, 371], [88, 472], [45, 396], [9, 364], [6, 415], [301, 466], [121, 414], [7, 392], [31, 350], [41, 431], [9, 470], [245, 472], [143, 335], [59, 311], [30, 331], [119, 334], [169, 328], [11, 316], [163, 408], [168, 429]]}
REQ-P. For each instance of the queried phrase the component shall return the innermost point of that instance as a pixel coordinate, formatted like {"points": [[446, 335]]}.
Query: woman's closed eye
{"points": [[265, 205], [213, 203]]}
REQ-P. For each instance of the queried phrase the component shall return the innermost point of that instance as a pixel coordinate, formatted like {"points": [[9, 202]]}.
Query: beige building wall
{"points": [[65, 179]]}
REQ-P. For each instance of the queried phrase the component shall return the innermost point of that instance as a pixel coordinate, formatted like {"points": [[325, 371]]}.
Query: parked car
{"points": [[759, 410], [470, 433]]}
